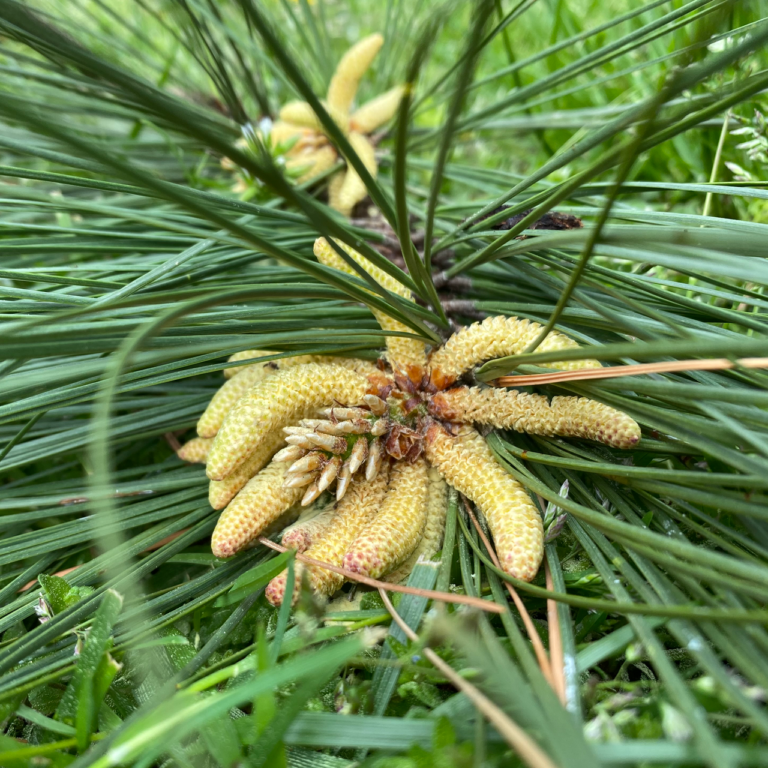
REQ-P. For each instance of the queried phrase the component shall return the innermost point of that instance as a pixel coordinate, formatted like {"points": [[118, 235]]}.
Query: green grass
{"points": [[130, 273]]}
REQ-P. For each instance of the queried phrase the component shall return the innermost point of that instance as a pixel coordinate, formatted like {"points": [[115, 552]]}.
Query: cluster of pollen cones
{"points": [[309, 152], [392, 437]]}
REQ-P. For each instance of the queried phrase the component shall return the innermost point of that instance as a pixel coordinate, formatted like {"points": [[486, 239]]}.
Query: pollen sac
{"points": [[345, 477], [289, 453], [294, 429], [301, 442], [380, 427], [376, 404], [306, 464], [312, 493], [337, 413], [375, 458], [495, 337], [299, 480], [330, 443], [329, 472], [345, 427], [358, 455]]}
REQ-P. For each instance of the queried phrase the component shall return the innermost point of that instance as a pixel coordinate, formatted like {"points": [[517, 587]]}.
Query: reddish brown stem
{"points": [[66, 571], [555, 640], [445, 597], [533, 635], [716, 364]]}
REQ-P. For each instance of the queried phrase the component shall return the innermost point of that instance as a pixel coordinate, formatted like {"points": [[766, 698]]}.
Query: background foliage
{"points": [[131, 271]]}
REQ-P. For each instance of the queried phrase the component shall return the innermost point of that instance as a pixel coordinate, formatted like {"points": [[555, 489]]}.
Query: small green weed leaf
{"points": [[221, 739], [265, 704], [59, 594], [9, 706], [94, 672], [178, 649], [420, 692], [444, 734], [44, 699]]}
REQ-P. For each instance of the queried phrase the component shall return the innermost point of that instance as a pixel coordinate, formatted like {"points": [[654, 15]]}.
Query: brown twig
{"points": [[555, 640], [533, 635], [714, 364], [150, 548], [528, 750], [445, 597], [173, 441]]}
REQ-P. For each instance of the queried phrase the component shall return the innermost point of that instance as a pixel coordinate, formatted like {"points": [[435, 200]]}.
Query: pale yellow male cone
{"points": [[536, 415], [247, 354], [353, 189], [196, 450], [228, 394], [376, 112], [398, 526], [308, 149], [221, 492], [351, 68], [276, 402], [309, 529], [259, 503], [354, 512], [406, 355], [434, 528], [468, 464], [496, 337]]}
